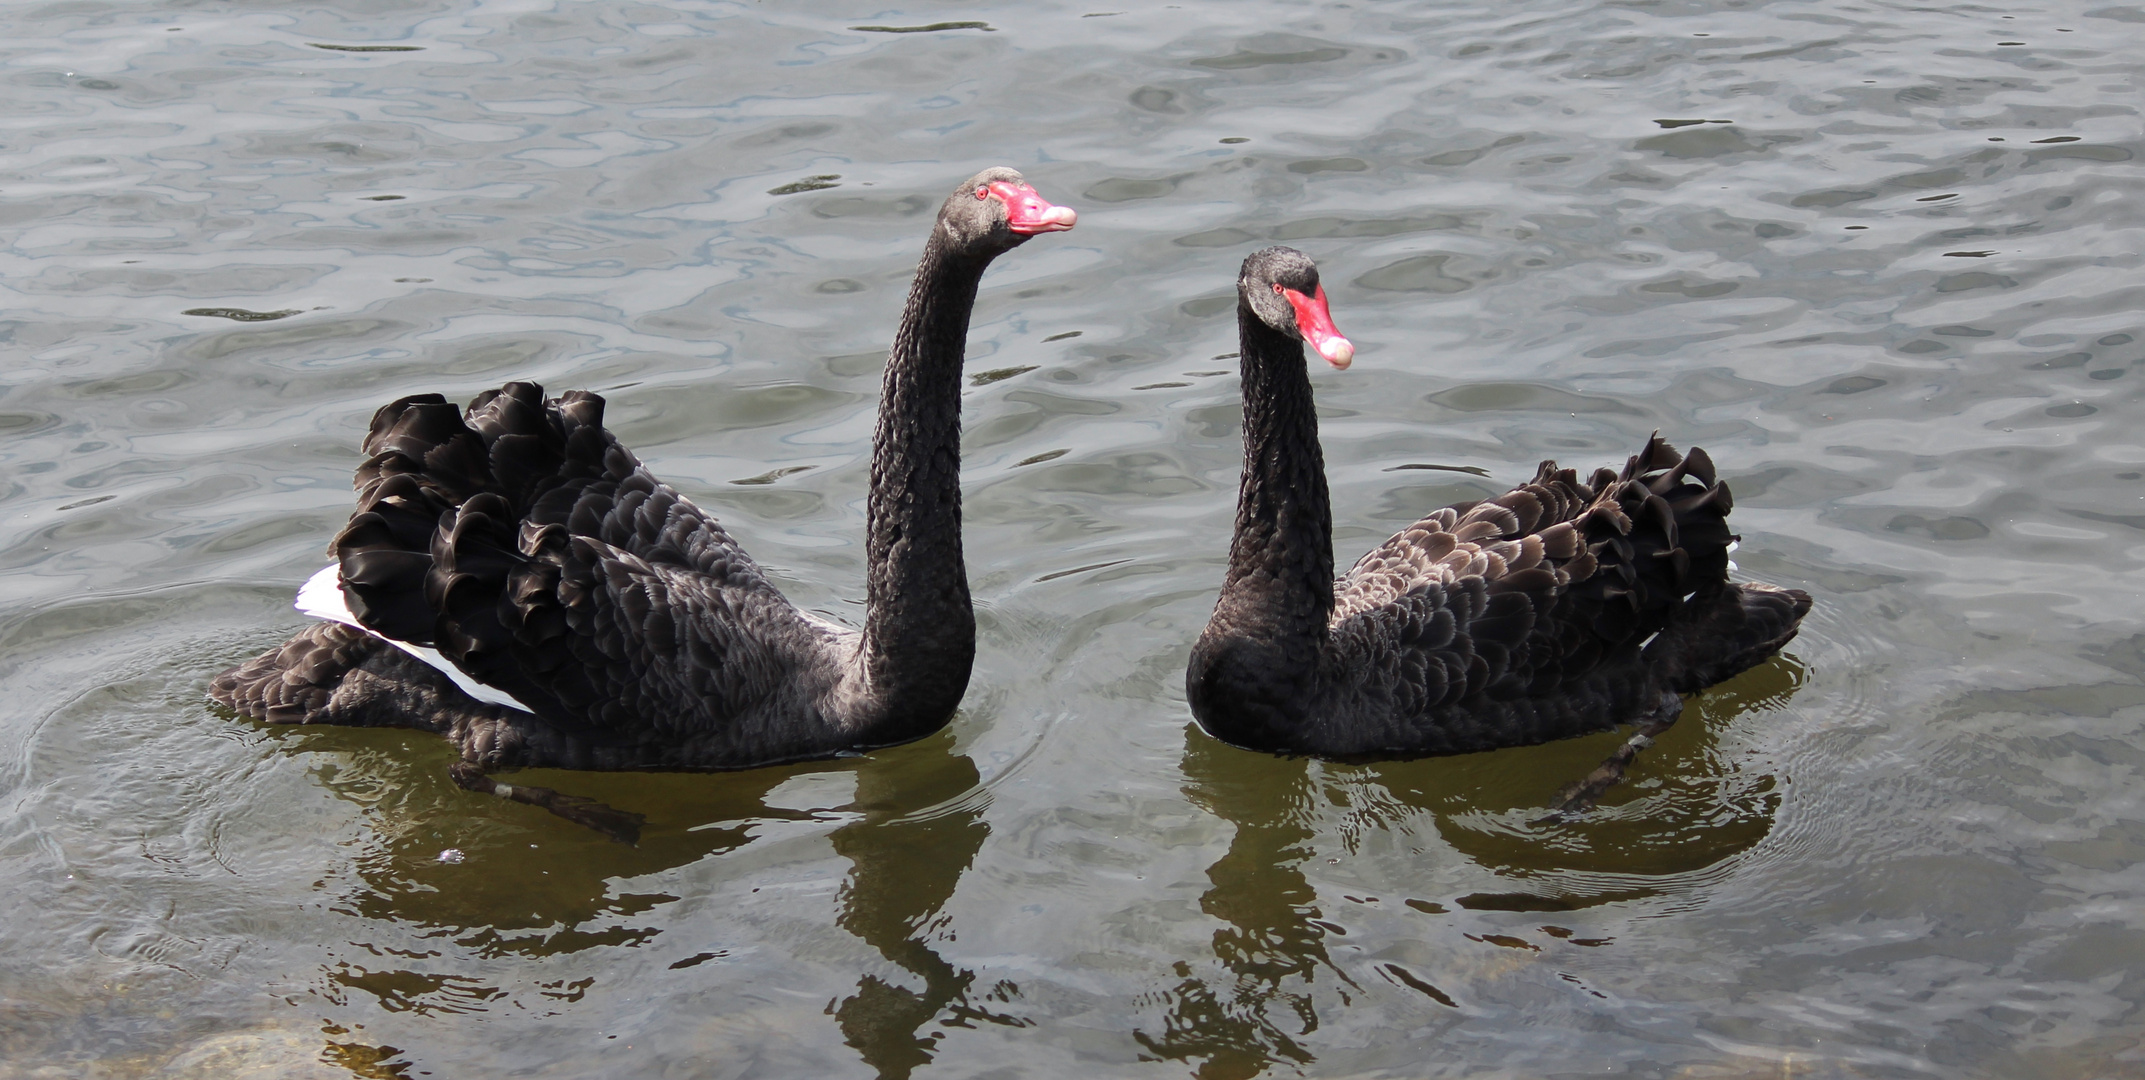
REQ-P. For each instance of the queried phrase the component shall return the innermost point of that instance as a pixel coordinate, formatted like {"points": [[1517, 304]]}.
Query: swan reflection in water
{"points": [[542, 887], [1257, 1001], [907, 851]]}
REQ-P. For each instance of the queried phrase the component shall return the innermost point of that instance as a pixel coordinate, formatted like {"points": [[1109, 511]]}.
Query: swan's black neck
{"points": [[919, 630], [1280, 583]]}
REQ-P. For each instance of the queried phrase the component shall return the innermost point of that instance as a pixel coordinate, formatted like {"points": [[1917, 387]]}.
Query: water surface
{"points": [[1880, 259]]}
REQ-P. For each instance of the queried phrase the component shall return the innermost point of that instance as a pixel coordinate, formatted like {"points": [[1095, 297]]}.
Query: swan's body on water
{"points": [[516, 580], [1559, 608]]}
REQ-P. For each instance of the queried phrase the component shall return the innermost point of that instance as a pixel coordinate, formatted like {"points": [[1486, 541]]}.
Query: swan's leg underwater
{"points": [[623, 826], [1579, 796]]}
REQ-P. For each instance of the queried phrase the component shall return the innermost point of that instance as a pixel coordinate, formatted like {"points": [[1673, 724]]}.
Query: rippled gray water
{"points": [[1881, 260]]}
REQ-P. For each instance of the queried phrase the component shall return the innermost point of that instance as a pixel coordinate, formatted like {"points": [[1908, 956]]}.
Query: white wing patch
{"points": [[322, 597]]}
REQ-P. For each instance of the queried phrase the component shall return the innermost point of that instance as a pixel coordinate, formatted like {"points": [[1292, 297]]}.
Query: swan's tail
{"points": [[330, 673], [295, 682], [1660, 530], [1752, 622]]}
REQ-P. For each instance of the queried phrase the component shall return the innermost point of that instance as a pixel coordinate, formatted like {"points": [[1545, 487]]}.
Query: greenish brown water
{"points": [[1881, 260]]}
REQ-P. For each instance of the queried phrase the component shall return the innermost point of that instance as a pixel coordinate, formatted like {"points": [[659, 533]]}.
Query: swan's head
{"points": [[995, 210], [1280, 286]]}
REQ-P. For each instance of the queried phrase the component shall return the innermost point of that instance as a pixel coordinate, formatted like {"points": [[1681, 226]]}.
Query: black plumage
{"points": [[1559, 608], [521, 540]]}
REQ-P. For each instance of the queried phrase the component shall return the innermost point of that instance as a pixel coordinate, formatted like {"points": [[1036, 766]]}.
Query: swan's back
{"points": [[530, 547], [1557, 608], [1526, 528]]}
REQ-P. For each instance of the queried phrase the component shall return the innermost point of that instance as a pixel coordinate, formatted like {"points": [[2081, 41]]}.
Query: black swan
{"points": [[1556, 609], [514, 578]]}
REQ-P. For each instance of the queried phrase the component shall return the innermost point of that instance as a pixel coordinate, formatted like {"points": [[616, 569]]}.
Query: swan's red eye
{"points": [[983, 193], [1278, 290]]}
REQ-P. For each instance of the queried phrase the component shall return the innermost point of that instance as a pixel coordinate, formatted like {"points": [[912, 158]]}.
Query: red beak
{"points": [[1028, 213], [1315, 323]]}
